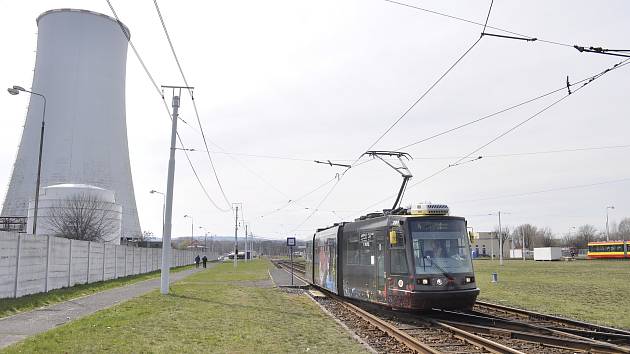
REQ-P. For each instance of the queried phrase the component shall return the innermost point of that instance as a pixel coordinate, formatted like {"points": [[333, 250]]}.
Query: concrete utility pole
{"points": [[236, 237], [523, 246], [500, 240], [607, 233], [245, 242], [168, 214]]}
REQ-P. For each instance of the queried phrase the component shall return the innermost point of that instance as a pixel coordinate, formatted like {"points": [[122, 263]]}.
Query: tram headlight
{"points": [[470, 280], [424, 281]]}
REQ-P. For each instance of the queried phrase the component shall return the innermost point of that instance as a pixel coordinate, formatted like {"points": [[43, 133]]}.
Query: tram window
{"points": [[353, 250], [398, 261], [365, 253]]}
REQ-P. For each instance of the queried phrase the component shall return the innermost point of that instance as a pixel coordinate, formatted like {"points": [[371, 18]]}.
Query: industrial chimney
{"points": [[80, 69]]}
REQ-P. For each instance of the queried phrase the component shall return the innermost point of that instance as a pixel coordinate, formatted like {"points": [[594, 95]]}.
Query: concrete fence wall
{"points": [[32, 264]]}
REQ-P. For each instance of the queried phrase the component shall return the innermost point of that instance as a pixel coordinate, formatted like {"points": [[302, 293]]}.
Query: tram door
{"points": [[380, 264]]}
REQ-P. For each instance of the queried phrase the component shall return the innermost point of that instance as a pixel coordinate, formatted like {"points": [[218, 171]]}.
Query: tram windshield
{"points": [[440, 246]]}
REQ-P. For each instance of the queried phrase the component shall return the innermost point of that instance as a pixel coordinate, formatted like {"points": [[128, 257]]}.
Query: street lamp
{"points": [[205, 239], [607, 234], [14, 91], [163, 207], [192, 228]]}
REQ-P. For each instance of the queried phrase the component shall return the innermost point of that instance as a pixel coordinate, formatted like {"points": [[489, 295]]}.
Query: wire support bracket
{"points": [[328, 162], [600, 50], [509, 37]]}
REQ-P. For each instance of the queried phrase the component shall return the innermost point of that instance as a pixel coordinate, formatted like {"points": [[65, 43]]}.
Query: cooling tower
{"points": [[80, 68]]}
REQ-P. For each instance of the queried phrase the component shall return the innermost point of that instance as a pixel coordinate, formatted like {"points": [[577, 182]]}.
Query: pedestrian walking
{"points": [[205, 260], [197, 259]]}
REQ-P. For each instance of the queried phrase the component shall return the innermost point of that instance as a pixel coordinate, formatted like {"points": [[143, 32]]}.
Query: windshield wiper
{"points": [[445, 273]]}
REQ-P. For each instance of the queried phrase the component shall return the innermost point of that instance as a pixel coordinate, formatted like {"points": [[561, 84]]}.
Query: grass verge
{"points": [[10, 307], [593, 290], [221, 310]]}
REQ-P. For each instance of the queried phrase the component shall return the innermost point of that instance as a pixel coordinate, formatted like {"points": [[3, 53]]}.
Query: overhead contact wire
{"points": [[475, 23], [168, 111], [420, 98], [181, 71], [584, 84]]}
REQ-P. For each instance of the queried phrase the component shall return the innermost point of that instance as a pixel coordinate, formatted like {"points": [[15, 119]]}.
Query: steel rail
{"points": [[551, 318], [475, 339], [485, 320], [382, 325], [409, 341], [574, 344]]}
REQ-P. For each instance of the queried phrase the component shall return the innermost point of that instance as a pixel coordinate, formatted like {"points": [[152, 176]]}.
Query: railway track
{"points": [[421, 336], [489, 328], [580, 328]]}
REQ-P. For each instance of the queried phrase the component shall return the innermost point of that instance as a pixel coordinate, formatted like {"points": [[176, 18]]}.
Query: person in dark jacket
{"points": [[205, 260], [197, 259]]}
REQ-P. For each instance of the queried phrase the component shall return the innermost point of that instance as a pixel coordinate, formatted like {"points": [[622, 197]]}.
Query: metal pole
{"points": [[245, 242], [163, 211], [291, 250], [236, 237], [39, 163], [523, 247], [166, 238], [607, 234], [500, 241], [491, 247]]}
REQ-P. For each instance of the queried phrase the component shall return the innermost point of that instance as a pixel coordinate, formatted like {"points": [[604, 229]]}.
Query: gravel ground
{"points": [[374, 337]]}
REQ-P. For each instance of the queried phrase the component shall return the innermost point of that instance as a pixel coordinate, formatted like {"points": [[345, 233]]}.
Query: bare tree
{"points": [[545, 238], [624, 229], [524, 232], [84, 217], [584, 235], [504, 234]]}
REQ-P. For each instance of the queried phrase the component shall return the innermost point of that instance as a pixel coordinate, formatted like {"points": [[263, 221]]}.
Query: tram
{"points": [[609, 250], [417, 259]]}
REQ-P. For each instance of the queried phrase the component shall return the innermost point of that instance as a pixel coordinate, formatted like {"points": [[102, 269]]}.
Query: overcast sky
{"points": [[324, 79]]}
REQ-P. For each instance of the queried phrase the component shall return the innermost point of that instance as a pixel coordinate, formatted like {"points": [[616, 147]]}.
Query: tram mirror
{"points": [[392, 237]]}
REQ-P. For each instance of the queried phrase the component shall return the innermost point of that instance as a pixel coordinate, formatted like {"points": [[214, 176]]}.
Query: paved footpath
{"points": [[22, 325]]}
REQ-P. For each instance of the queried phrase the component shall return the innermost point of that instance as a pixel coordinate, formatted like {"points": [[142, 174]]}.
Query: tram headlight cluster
{"points": [[469, 280]]}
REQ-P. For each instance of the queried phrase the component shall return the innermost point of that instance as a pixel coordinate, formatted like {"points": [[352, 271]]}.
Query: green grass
{"points": [[211, 311], [594, 290], [10, 307]]}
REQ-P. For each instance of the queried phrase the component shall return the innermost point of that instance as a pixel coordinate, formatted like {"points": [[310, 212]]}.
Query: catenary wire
{"points": [[420, 98], [181, 71], [584, 84], [168, 111], [527, 153], [391, 127], [627, 179], [501, 111]]}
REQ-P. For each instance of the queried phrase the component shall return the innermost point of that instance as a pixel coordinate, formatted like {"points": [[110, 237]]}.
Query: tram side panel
{"points": [[364, 249], [326, 259], [308, 257]]}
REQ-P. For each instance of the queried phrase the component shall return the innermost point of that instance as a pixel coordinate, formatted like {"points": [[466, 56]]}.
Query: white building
{"points": [[80, 68], [486, 244]]}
